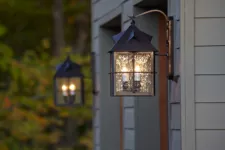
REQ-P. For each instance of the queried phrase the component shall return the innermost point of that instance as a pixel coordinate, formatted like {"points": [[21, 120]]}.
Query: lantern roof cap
{"points": [[132, 40], [68, 69]]}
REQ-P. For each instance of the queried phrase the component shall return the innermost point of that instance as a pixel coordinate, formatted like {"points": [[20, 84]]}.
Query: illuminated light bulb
{"points": [[72, 88], [124, 75], [64, 90], [137, 68], [124, 69], [137, 75]]}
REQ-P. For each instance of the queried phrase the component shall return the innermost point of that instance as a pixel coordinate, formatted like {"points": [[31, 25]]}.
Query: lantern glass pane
{"points": [[144, 72], [133, 73], [123, 69], [69, 91]]}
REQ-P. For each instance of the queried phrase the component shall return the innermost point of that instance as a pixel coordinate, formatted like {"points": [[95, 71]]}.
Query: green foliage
{"points": [[28, 121], [28, 118], [30, 21]]}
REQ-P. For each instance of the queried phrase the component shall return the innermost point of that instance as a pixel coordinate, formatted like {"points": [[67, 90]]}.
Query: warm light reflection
{"points": [[124, 75], [124, 69], [137, 76], [64, 87], [135, 69], [64, 90], [72, 87]]}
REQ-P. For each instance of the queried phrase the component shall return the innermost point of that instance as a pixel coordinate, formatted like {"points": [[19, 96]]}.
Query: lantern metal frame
{"points": [[69, 69], [143, 45], [169, 36]]}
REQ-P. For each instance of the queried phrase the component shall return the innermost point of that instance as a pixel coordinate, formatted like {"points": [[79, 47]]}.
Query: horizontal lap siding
{"points": [[174, 95], [129, 136], [103, 7], [210, 140], [209, 32], [210, 116], [210, 60], [175, 117], [210, 74], [210, 88], [209, 8], [102, 12]]}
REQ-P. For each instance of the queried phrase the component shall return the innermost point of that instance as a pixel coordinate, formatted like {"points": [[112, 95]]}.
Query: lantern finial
{"points": [[132, 19]]}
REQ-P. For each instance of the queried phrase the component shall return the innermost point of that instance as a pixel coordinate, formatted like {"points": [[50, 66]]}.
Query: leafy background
{"points": [[29, 53]]}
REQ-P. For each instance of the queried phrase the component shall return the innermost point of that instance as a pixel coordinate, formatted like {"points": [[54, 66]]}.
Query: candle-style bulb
{"points": [[124, 69], [137, 75], [72, 88], [64, 90], [137, 79], [124, 75], [64, 87], [137, 69]]}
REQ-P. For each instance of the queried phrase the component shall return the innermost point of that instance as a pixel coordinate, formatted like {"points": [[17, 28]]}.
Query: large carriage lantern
{"points": [[69, 84], [132, 64]]}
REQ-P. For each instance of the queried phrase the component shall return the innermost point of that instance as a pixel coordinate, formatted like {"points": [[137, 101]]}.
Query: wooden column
{"points": [[121, 124], [163, 86]]}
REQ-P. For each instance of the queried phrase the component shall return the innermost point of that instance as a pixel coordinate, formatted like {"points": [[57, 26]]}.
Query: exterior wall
{"points": [[110, 106], [140, 115], [147, 108], [106, 109], [203, 74], [174, 88], [128, 102]]}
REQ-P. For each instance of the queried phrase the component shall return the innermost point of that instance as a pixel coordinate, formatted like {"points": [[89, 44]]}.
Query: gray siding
{"points": [[106, 123], [103, 7], [203, 95], [128, 102], [174, 88], [147, 108], [141, 115], [109, 106], [209, 74]]}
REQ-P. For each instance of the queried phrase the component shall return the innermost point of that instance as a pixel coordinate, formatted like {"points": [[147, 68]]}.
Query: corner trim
{"points": [[187, 74]]}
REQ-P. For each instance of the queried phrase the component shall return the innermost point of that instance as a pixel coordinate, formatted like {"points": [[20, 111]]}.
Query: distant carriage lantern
{"points": [[69, 84], [132, 63]]}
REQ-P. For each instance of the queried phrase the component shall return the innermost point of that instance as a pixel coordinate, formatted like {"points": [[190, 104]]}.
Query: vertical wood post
{"points": [[163, 86]]}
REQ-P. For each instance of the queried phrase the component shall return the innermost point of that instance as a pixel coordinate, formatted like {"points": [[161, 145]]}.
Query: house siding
{"points": [[106, 129], [203, 44], [147, 131], [175, 88], [128, 102], [141, 129], [209, 74]]}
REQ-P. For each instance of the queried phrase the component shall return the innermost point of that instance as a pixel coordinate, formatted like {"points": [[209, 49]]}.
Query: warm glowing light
{"points": [[124, 69], [137, 76], [124, 75], [128, 76], [64, 87], [137, 68], [72, 87]]}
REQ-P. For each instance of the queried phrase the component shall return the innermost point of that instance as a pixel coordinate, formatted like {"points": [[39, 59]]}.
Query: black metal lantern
{"points": [[69, 84], [132, 64]]}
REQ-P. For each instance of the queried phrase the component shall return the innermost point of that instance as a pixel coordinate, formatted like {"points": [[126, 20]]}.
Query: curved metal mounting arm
{"points": [[151, 11], [169, 34]]}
